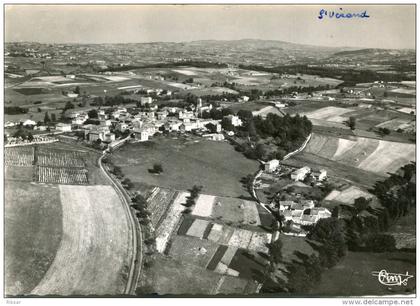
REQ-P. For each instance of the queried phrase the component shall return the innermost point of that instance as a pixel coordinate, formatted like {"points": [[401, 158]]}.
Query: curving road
{"points": [[137, 256]]}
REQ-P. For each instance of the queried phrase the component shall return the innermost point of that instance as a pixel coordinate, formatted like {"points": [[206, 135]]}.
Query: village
{"points": [[207, 165]]}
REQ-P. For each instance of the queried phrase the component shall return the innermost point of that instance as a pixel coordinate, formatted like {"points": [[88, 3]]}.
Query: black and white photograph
{"points": [[235, 150]]}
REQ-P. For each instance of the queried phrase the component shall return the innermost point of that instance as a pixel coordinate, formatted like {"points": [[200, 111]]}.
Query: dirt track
{"points": [[95, 251]]}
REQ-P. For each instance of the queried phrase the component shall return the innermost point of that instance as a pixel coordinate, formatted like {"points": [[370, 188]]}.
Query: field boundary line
{"points": [[137, 238]]}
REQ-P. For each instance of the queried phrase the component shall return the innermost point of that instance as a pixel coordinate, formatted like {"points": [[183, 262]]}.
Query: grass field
{"points": [[33, 231], [348, 195], [330, 113], [194, 250], [94, 253], [219, 165], [353, 275], [404, 231], [228, 210], [166, 277], [225, 235]]}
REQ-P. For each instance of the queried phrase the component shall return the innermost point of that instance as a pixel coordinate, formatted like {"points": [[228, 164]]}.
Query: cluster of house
{"points": [[142, 125], [298, 210], [298, 174], [145, 123], [301, 173], [302, 213]]}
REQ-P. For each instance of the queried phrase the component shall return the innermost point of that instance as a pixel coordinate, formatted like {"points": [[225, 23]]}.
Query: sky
{"points": [[389, 26]]}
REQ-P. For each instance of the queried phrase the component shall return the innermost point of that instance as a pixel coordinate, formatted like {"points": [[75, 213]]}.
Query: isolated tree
{"points": [[77, 90], [251, 129], [352, 122], [117, 171], [385, 131], [194, 192], [93, 113], [53, 117], [47, 118], [128, 184], [245, 114], [276, 254], [139, 201], [361, 204], [157, 168], [68, 105], [335, 212], [211, 127]]}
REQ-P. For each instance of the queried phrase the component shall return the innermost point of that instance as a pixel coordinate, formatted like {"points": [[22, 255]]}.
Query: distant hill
{"points": [[375, 56], [260, 52], [374, 52]]}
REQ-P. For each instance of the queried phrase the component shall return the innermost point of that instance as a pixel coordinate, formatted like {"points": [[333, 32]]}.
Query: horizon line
{"points": [[203, 40]]}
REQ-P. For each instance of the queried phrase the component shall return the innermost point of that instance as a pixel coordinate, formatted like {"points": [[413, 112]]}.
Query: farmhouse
{"points": [[105, 122], [29, 122], [234, 120], [63, 127], [102, 115], [72, 114], [271, 165], [95, 132], [95, 135], [214, 136], [9, 124], [109, 137], [161, 115], [186, 115], [72, 95], [188, 126], [150, 115], [79, 119], [320, 175], [120, 113], [147, 128], [300, 174], [122, 126], [285, 205], [172, 126], [141, 134], [136, 123], [145, 100]]}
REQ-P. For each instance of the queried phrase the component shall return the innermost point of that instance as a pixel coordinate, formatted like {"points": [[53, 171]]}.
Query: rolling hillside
{"points": [[372, 155]]}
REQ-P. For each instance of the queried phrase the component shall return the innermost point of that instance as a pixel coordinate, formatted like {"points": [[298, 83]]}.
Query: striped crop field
{"points": [[369, 154]]}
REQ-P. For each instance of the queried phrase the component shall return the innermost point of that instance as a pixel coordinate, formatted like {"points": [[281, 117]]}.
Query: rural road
{"points": [[137, 257]]}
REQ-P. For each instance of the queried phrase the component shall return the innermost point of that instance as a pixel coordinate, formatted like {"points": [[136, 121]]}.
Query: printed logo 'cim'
{"points": [[392, 279]]}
